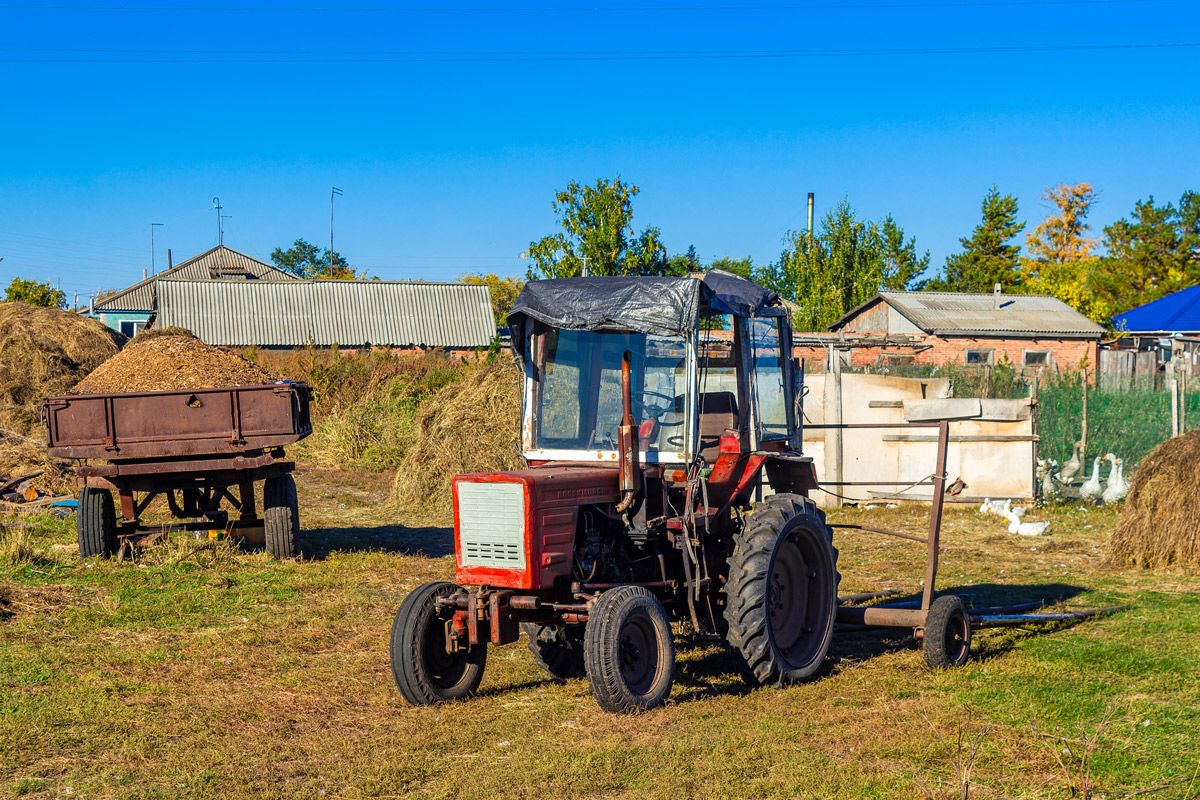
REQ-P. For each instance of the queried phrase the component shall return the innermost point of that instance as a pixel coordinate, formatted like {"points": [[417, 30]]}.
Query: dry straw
{"points": [[1160, 525], [471, 425]]}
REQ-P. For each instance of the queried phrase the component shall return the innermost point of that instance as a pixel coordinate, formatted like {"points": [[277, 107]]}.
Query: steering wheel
{"points": [[655, 412]]}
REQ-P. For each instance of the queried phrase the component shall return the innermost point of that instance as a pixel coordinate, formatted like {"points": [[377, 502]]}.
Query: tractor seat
{"points": [[718, 413]]}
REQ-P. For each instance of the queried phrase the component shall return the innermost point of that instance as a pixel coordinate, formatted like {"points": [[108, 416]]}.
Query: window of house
{"points": [[131, 327], [895, 359], [1037, 358], [980, 357]]}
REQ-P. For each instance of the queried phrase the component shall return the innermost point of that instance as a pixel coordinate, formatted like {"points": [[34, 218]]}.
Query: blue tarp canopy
{"points": [[1175, 313]]}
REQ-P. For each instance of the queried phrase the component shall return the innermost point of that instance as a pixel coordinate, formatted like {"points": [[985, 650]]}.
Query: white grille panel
{"points": [[491, 525]]}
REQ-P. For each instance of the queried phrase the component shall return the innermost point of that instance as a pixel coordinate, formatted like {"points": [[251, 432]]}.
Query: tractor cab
{"points": [[655, 412]]}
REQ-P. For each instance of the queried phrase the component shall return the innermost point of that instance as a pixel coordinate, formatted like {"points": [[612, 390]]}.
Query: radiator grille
{"points": [[491, 525]]}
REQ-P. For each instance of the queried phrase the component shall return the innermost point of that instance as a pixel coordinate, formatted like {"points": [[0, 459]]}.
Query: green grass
{"points": [[205, 671]]}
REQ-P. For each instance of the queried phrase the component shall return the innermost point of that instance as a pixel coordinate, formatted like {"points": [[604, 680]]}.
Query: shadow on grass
{"points": [[431, 541]]}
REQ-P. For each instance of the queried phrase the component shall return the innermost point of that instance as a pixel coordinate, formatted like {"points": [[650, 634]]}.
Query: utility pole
{"points": [[153, 225], [334, 191], [220, 226], [585, 260]]}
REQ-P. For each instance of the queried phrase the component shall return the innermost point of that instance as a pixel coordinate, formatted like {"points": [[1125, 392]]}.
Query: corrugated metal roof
{"points": [[1175, 313], [219, 263], [347, 313], [949, 313]]}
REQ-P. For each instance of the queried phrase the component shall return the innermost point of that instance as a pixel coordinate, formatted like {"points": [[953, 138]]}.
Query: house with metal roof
{"points": [[349, 314], [1152, 336], [129, 310], [947, 328]]}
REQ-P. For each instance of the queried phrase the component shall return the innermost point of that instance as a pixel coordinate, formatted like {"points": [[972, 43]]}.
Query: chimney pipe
{"points": [[168, 258], [810, 214], [996, 295]]}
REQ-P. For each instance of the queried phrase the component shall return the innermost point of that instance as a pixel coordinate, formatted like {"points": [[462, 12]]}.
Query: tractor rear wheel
{"points": [[781, 596], [96, 523], [629, 650], [281, 517], [425, 673], [557, 648], [947, 633]]}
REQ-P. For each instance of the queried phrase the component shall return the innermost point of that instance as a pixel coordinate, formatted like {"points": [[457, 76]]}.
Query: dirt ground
{"points": [[202, 670]]}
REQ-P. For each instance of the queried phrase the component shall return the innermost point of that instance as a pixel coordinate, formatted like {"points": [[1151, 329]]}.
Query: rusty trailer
{"points": [[198, 448]]}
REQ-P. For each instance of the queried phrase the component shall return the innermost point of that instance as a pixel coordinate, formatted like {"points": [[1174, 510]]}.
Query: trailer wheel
{"points": [[947, 633], [781, 596], [557, 648], [96, 523], [424, 672], [629, 651], [281, 517]]}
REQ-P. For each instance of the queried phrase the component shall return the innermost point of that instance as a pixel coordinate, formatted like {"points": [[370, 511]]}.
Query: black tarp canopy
{"points": [[657, 306]]}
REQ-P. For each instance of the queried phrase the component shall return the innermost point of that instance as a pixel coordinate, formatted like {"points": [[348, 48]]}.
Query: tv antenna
{"points": [[220, 220], [334, 191]]}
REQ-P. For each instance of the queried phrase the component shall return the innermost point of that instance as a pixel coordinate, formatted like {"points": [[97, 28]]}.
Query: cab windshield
{"points": [[578, 401]]}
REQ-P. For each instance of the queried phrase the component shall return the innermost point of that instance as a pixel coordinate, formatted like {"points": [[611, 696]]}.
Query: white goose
{"points": [[1092, 489], [1024, 528], [1117, 487], [1071, 468]]}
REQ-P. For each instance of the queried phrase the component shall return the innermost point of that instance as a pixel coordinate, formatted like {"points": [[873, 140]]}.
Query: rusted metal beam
{"points": [[935, 515], [876, 616]]}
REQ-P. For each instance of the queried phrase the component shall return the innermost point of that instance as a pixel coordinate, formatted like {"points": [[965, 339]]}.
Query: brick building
{"points": [[951, 328]]}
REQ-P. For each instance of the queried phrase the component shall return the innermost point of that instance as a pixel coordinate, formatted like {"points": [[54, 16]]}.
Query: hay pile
{"points": [[20, 455], [1160, 524], [43, 352], [471, 425], [165, 361]]}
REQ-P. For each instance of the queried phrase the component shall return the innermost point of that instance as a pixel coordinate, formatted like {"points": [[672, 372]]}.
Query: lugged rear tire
{"points": [[629, 650], [96, 523], [424, 672], [557, 648], [281, 516], [781, 596]]}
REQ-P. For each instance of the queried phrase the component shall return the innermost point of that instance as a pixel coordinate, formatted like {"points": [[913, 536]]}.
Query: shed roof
{"points": [[961, 313], [219, 263], [347, 313], [1175, 313]]}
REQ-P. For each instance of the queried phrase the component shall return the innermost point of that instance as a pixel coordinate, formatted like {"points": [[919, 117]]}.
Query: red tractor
{"points": [[653, 410]]}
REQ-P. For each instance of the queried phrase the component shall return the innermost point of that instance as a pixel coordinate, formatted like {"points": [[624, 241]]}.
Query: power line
{"points": [[458, 57], [579, 9]]}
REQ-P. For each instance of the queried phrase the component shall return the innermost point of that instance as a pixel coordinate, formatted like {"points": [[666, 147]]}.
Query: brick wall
{"points": [[952, 351]]}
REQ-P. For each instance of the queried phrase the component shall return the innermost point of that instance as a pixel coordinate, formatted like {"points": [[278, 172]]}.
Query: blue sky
{"points": [[451, 134]]}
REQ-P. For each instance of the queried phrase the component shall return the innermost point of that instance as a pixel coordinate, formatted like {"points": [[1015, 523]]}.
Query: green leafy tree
{"points": [[829, 272], [738, 266], [988, 257], [1155, 252], [597, 226], [309, 261], [504, 292], [680, 265], [34, 293], [1061, 254]]}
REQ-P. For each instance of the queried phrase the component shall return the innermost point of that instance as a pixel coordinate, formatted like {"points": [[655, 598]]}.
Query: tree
{"points": [[504, 292], [845, 264], [680, 265], [987, 257], [308, 261], [597, 221], [1061, 258], [1153, 253], [738, 266], [34, 293]]}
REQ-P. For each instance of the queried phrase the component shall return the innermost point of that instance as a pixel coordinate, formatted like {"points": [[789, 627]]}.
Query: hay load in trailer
{"points": [[1160, 524]]}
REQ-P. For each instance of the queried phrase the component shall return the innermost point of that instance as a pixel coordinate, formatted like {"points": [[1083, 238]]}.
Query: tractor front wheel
{"points": [[781, 596], [426, 672], [557, 648], [629, 651]]}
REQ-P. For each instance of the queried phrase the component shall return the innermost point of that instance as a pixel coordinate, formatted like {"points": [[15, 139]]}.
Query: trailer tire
{"points": [[629, 650], [947, 633], [96, 523], [424, 672], [557, 648], [781, 595], [281, 517]]}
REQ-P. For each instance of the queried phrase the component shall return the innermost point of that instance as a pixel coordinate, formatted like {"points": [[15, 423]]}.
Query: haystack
{"points": [[45, 351], [1160, 524], [471, 425], [20, 455], [171, 361]]}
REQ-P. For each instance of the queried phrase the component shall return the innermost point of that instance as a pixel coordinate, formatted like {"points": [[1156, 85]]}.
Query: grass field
{"points": [[203, 671]]}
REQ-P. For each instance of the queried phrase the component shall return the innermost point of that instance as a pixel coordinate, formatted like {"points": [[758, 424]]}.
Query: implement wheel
{"points": [[781, 596], [629, 650], [557, 648], [281, 516], [424, 672], [947, 633], [96, 523]]}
